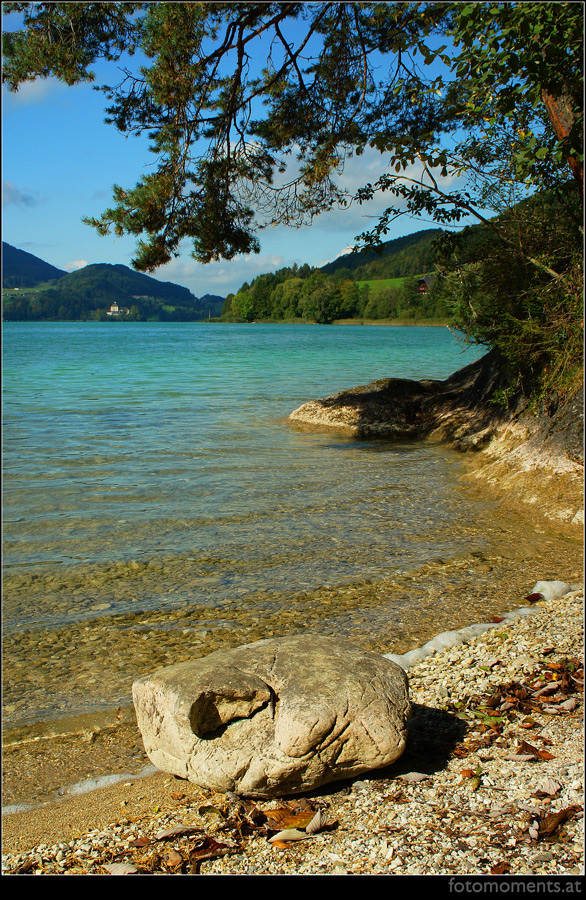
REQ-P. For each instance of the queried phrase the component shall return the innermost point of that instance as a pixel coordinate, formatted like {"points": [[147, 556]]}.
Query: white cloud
{"points": [[32, 92], [13, 196], [223, 277], [75, 264], [367, 169]]}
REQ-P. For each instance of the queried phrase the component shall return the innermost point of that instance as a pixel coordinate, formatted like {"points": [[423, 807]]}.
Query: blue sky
{"points": [[60, 161]]}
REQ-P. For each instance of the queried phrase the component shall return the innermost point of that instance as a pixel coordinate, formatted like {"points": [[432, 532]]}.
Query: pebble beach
{"points": [[491, 781]]}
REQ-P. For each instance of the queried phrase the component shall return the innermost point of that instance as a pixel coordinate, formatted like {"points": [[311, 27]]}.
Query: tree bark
{"points": [[561, 116]]}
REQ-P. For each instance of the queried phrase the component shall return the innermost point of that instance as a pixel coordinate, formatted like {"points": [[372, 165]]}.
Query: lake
{"points": [[158, 504]]}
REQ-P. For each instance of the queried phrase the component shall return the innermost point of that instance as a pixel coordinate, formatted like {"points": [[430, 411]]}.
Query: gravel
{"points": [[491, 781]]}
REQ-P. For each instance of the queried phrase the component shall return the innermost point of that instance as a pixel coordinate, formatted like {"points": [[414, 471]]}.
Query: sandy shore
{"points": [[424, 815]]}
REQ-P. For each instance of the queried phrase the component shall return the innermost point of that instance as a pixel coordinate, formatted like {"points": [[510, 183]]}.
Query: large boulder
{"points": [[276, 717]]}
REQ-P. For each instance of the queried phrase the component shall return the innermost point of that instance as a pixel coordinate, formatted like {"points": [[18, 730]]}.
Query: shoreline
{"points": [[82, 832], [142, 805], [398, 612], [86, 725]]}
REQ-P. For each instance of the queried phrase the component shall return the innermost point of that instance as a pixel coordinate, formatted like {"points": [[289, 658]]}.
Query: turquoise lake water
{"points": [[136, 442]]}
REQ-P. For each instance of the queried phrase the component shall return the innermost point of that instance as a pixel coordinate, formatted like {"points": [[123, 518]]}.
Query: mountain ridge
{"points": [[46, 292], [23, 269]]}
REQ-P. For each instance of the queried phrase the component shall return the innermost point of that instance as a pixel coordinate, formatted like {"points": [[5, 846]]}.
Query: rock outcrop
{"points": [[279, 716], [535, 456], [458, 410]]}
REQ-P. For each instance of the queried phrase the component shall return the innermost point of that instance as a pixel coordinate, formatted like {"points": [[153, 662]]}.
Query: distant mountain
{"points": [[22, 269], [409, 255], [90, 292], [105, 283]]}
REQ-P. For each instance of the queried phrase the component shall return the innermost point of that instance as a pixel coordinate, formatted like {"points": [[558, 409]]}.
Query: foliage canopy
{"points": [[241, 144]]}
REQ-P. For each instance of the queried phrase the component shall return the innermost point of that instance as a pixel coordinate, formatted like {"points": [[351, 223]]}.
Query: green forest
{"points": [[381, 284], [384, 284]]}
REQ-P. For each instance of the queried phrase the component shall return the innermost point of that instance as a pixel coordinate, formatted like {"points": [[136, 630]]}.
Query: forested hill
{"points": [[408, 255], [371, 284], [106, 282], [22, 269], [90, 292]]}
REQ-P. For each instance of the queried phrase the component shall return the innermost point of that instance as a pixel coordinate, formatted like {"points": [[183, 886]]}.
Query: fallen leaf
{"points": [[552, 821], [140, 842], [501, 868], [528, 722], [208, 848], [521, 757], [177, 830], [289, 834], [497, 812], [284, 817], [548, 788], [173, 858], [319, 821], [547, 689], [213, 810], [525, 748], [121, 868], [281, 845], [569, 705]]}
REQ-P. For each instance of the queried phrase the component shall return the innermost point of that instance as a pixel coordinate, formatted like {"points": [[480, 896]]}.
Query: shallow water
{"points": [[138, 444], [158, 505]]}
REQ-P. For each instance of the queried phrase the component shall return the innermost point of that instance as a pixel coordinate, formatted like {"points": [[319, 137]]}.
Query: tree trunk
{"points": [[561, 116]]}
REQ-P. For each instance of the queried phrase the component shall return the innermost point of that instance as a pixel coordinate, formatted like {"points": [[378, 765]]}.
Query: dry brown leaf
{"points": [[173, 858], [281, 845], [528, 722], [501, 868], [284, 817], [569, 705], [319, 821], [548, 788], [209, 848], [177, 830], [289, 834], [140, 842], [524, 748], [548, 688], [552, 821]]}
